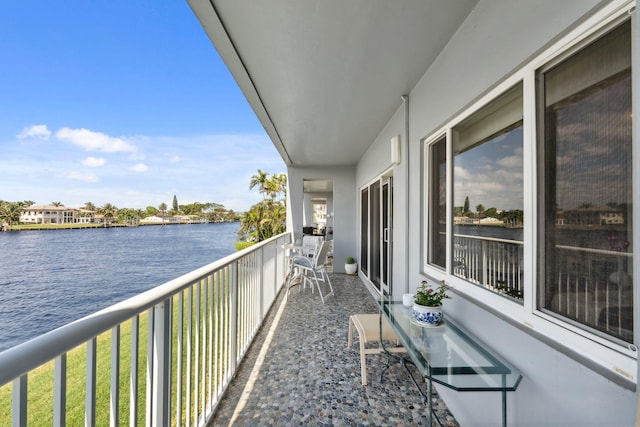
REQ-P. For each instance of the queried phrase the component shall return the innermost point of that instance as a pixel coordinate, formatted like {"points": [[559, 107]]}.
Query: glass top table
{"points": [[449, 355]]}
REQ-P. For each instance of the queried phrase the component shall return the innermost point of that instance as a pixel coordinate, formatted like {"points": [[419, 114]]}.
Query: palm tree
{"points": [[278, 219], [56, 203], [90, 206], [268, 217], [109, 211], [163, 208], [10, 212], [249, 224], [275, 185], [281, 179], [261, 180]]}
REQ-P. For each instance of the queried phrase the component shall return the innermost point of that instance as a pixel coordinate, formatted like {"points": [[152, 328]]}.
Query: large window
{"points": [[546, 154], [487, 207], [488, 196], [585, 171], [437, 251]]}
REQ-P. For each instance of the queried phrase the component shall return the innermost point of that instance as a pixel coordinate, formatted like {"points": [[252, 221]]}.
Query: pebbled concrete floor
{"points": [[298, 371]]}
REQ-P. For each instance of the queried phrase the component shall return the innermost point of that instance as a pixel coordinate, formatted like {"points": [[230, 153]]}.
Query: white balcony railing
{"points": [[495, 264], [163, 357], [592, 287]]}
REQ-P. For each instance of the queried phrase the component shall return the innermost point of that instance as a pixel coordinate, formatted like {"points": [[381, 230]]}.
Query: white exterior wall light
{"points": [[395, 150]]}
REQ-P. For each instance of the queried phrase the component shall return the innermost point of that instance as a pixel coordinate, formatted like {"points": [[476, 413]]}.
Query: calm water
{"points": [[50, 278]]}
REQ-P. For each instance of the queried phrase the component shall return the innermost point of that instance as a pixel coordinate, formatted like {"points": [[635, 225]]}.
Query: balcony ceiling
{"points": [[324, 76]]}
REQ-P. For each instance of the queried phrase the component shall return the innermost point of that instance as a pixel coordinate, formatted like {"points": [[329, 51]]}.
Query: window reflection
{"points": [[586, 175], [488, 196]]}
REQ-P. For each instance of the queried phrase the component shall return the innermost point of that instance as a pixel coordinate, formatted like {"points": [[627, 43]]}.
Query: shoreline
{"points": [[41, 227]]}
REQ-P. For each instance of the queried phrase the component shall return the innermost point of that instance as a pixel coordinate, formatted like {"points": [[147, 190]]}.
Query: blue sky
{"points": [[122, 102], [491, 174]]}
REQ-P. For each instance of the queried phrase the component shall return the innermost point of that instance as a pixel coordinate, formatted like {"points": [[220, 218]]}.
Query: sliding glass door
{"points": [[376, 224]]}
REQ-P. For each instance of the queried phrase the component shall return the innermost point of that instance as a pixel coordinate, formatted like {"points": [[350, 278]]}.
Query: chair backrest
{"points": [[310, 244], [321, 256]]}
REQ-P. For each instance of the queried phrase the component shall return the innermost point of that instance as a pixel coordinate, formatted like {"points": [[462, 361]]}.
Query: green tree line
{"points": [[513, 215], [266, 218], [213, 212]]}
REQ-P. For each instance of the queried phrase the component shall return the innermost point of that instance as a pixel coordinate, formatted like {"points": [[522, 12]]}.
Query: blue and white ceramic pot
{"points": [[427, 316]]}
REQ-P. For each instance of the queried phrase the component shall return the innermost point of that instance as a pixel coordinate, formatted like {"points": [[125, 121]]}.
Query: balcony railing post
{"points": [[19, 402], [276, 266], [233, 315], [261, 280], [161, 362], [196, 351], [115, 377], [484, 262], [149, 370], [179, 361], [133, 374], [90, 384], [60, 390]]}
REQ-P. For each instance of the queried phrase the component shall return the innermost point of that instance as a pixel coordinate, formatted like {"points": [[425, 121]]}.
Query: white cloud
{"points": [[94, 141], [510, 162], [94, 162], [136, 157], [36, 131], [139, 167], [86, 177], [461, 173], [211, 168]]}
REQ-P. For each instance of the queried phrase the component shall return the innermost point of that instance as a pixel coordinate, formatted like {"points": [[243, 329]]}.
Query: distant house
{"points": [[491, 221], [592, 216], [86, 216], [463, 220], [154, 219], [159, 219], [48, 214], [187, 219]]}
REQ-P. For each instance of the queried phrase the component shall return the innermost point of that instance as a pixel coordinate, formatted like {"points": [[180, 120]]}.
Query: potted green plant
{"points": [[350, 265], [427, 305]]}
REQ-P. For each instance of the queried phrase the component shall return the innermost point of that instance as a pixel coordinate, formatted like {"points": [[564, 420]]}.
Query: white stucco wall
{"points": [[497, 37], [308, 206], [374, 163], [344, 207]]}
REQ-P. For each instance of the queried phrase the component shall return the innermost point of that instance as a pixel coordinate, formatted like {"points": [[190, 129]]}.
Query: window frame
{"points": [[616, 356], [583, 44]]}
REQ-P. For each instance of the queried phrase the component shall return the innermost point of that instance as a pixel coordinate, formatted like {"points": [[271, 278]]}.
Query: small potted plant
{"points": [[427, 306], [350, 266]]}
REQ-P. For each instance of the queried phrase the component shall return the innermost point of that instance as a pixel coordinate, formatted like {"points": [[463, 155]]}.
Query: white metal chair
{"points": [[310, 244], [295, 275], [314, 269]]}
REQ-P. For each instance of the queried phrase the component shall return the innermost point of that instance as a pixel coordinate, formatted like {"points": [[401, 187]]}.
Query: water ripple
{"points": [[50, 278]]}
